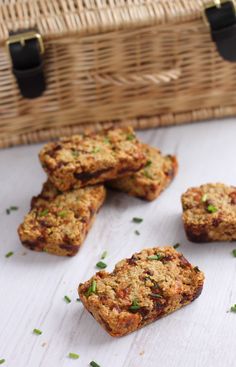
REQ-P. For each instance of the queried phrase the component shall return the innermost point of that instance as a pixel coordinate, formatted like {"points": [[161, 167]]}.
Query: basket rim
{"points": [[61, 17]]}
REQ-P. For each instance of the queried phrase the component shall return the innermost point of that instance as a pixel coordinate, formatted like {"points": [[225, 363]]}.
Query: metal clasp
{"points": [[26, 36]]}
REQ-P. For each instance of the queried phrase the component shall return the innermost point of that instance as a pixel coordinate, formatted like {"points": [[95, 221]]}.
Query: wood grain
{"points": [[32, 285]]}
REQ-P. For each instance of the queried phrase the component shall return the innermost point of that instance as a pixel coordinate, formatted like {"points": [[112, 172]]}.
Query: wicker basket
{"points": [[109, 62]]}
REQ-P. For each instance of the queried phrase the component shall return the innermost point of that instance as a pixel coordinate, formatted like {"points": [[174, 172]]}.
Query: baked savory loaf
{"points": [[58, 222], [150, 181], [83, 160], [149, 285], [209, 213]]}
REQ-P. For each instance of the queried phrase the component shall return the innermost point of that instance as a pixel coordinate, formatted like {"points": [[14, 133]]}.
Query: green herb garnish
{"points": [[130, 137], [137, 233], [196, 268], [176, 245], [92, 288], [135, 305], [43, 213], [37, 332], [147, 174], [78, 300], [96, 150], [67, 299], [212, 209], [73, 356], [62, 214], [137, 220], [233, 308], [154, 295], [155, 257], [11, 209], [2, 361], [9, 254], [104, 255], [149, 162], [75, 153], [94, 364], [204, 198], [101, 265], [106, 141], [234, 252]]}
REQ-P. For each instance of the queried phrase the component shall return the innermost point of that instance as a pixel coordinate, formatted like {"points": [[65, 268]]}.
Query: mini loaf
{"points": [[150, 181], [209, 213], [59, 222], [83, 160], [149, 285]]}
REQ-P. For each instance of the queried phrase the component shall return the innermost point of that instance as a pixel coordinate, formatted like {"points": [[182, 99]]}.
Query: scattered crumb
{"points": [[142, 353], [43, 344]]}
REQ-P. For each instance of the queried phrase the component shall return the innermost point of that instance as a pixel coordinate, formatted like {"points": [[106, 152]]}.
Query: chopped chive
{"points": [[101, 265], [73, 356], [106, 141], [154, 295], [43, 213], [37, 332], [78, 300], [149, 162], [233, 308], [94, 364], [92, 289], [212, 209], [137, 220], [234, 252], [67, 299], [176, 245], [9, 254], [137, 233], [196, 268], [155, 257], [12, 208], [147, 174], [204, 198], [130, 137], [2, 361], [104, 255], [94, 286], [62, 214], [75, 153], [135, 305], [96, 150]]}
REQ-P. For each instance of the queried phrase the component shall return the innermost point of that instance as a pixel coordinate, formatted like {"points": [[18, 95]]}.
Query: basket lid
{"points": [[57, 17]]}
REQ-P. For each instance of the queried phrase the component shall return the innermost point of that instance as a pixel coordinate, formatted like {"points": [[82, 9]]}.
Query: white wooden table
{"points": [[32, 285]]}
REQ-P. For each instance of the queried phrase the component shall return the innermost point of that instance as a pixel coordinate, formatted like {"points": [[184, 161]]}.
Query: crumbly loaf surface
{"points": [[156, 287], [83, 160], [209, 213], [150, 181], [58, 222]]}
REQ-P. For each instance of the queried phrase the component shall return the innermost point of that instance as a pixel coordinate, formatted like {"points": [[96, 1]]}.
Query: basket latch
{"points": [[26, 51], [221, 17]]}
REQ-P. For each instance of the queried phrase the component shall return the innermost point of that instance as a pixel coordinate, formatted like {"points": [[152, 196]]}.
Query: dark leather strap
{"points": [[222, 21], [28, 66]]}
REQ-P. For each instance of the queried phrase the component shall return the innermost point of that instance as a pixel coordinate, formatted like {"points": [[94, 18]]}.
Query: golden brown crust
{"points": [[209, 213], [59, 222], [157, 286], [150, 181], [83, 160]]}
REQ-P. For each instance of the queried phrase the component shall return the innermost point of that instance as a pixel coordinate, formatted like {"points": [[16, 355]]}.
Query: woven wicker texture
{"points": [[109, 62]]}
